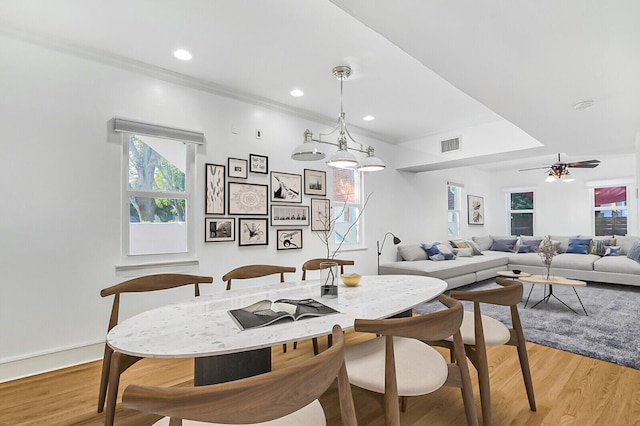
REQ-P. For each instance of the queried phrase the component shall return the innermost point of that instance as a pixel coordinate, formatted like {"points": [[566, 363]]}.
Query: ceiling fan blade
{"points": [[533, 168], [589, 164]]}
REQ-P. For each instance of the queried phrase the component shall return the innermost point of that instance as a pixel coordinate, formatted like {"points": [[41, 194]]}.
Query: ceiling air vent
{"points": [[450, 145]]}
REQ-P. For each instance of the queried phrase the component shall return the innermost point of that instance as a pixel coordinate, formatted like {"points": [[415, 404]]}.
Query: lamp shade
{"points": [[371, 163], [307, 150], [342, 159]]}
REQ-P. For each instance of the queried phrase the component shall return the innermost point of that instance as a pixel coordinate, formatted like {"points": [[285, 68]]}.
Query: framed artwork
{"points": [[286, 188], [237, 168], [475, 207], [248, 198], [289, 215], [253, 231], [289, 239], [219, 229], [320, 214], [258, 163], [214, 191], [315, 182]]}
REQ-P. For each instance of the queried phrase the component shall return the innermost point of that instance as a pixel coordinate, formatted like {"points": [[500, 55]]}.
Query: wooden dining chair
{"points": [[110, 377], [285, 396], [257, 271], [400, 363], [314, 265], [479, 331]]}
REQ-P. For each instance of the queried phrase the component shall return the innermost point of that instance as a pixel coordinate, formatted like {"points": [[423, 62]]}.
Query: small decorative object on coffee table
{"points": [[515, 273], [547, 250]]}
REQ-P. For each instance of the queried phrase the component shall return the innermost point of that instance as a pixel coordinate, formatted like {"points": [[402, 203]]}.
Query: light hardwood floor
{"points": [[570, 390]]}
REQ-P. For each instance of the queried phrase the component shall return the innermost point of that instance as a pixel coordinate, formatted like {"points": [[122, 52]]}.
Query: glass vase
{"points": [[329, 277]]}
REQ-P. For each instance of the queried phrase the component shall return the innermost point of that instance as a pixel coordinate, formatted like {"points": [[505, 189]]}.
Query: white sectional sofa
{"points": [[466, 270]]}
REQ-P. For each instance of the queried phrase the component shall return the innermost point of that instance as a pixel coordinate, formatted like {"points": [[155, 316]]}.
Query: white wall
{"points": [[562, 208], [60, 227]]}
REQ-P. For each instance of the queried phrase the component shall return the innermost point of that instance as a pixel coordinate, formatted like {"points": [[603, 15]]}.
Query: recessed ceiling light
{"points": [[182, 54], [586, 104], [368, 118], [297, 93]]}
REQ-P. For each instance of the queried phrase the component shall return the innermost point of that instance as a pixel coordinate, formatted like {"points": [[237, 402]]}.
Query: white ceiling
{"points": [[420, 67]]}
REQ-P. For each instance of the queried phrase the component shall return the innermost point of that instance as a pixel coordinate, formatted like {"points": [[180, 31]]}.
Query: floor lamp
{"points": [[396, 241]]}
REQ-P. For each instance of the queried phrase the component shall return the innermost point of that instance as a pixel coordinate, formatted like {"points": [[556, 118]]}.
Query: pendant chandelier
{"points": [[310, 149]]}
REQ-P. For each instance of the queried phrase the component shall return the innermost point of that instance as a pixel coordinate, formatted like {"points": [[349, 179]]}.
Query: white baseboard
{"points": [[42, 363]]}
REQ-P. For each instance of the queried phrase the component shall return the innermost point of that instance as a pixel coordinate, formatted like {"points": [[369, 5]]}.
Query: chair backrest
{"points": [[314, 265], [254, 399], [510, 294], [150, 283], [256, 271]]}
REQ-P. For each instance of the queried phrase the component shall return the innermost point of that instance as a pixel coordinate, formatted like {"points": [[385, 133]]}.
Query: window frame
{"points": [[457, 213], [338, 206], [511, 211], [594, 208], [160, 259]]}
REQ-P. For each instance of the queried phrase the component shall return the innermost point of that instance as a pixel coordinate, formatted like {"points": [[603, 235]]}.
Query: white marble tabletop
{"points": [[204, 327]]}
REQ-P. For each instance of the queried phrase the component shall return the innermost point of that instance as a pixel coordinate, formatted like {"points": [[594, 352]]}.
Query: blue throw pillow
{"points": [[524, 249], [579, 245], [504, 245], [431, 249], [612, 251], [634, 251]]}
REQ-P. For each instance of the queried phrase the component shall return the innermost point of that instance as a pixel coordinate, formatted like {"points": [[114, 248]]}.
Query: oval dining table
{"points": [[203, 329]]}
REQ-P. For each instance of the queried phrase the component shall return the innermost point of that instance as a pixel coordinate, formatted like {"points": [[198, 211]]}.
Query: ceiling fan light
{"points": [[566, 177]]}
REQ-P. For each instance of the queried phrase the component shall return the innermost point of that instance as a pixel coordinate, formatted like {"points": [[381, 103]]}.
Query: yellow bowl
{"points": [[351, 280]]}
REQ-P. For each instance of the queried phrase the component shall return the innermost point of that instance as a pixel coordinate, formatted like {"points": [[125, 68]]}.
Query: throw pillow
{"points": [[612, 251], [463, 252], [459, 244], [532, 244], [437, 257], [431, 249], [598, 246], [524, 249], [504, 245], [412, 252], [475, 247], [634, 251], [445, 251], [579, 245]]}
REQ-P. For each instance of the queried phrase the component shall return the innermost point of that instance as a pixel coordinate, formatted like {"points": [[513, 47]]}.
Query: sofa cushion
{"points": [[504, 245], [579, 245], [634, 252], [412, 252], [611, 250], [463, 252], [467, 244], [563, 242], [599, 244], [583, 262], [525, 259], [617, 265], [484, 243], [625, 242]]}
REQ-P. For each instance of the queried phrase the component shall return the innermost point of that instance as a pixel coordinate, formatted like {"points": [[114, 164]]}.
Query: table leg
{"points": [[583, 308], [229, 367], [529, 295]]}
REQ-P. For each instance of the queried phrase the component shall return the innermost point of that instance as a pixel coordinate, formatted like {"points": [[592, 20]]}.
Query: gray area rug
{"points": [[609, 333]]}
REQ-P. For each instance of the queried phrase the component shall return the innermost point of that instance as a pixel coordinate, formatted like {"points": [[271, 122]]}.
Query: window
{"points": [[453, 209], [347, 205], [520, 213], [610, 210], [157, 188]]}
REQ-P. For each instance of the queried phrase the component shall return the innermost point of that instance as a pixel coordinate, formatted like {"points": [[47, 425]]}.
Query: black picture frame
{"points": [[315, 182], [286, 188], [237, 168], [288, 215], [320, 214], [258, 164], [219, 229], [289, 239], [253, 231], [475, 210], [248, 198], [214, 202]]}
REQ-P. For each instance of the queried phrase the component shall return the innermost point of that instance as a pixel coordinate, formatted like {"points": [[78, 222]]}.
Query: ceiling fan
{"points": [[560, 170]]}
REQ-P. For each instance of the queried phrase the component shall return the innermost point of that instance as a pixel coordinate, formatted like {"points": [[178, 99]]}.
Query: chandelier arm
{"points": [[335, 144]]}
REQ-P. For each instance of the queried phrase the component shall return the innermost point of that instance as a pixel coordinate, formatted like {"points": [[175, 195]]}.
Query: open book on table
{"points": [[266, 312]]}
